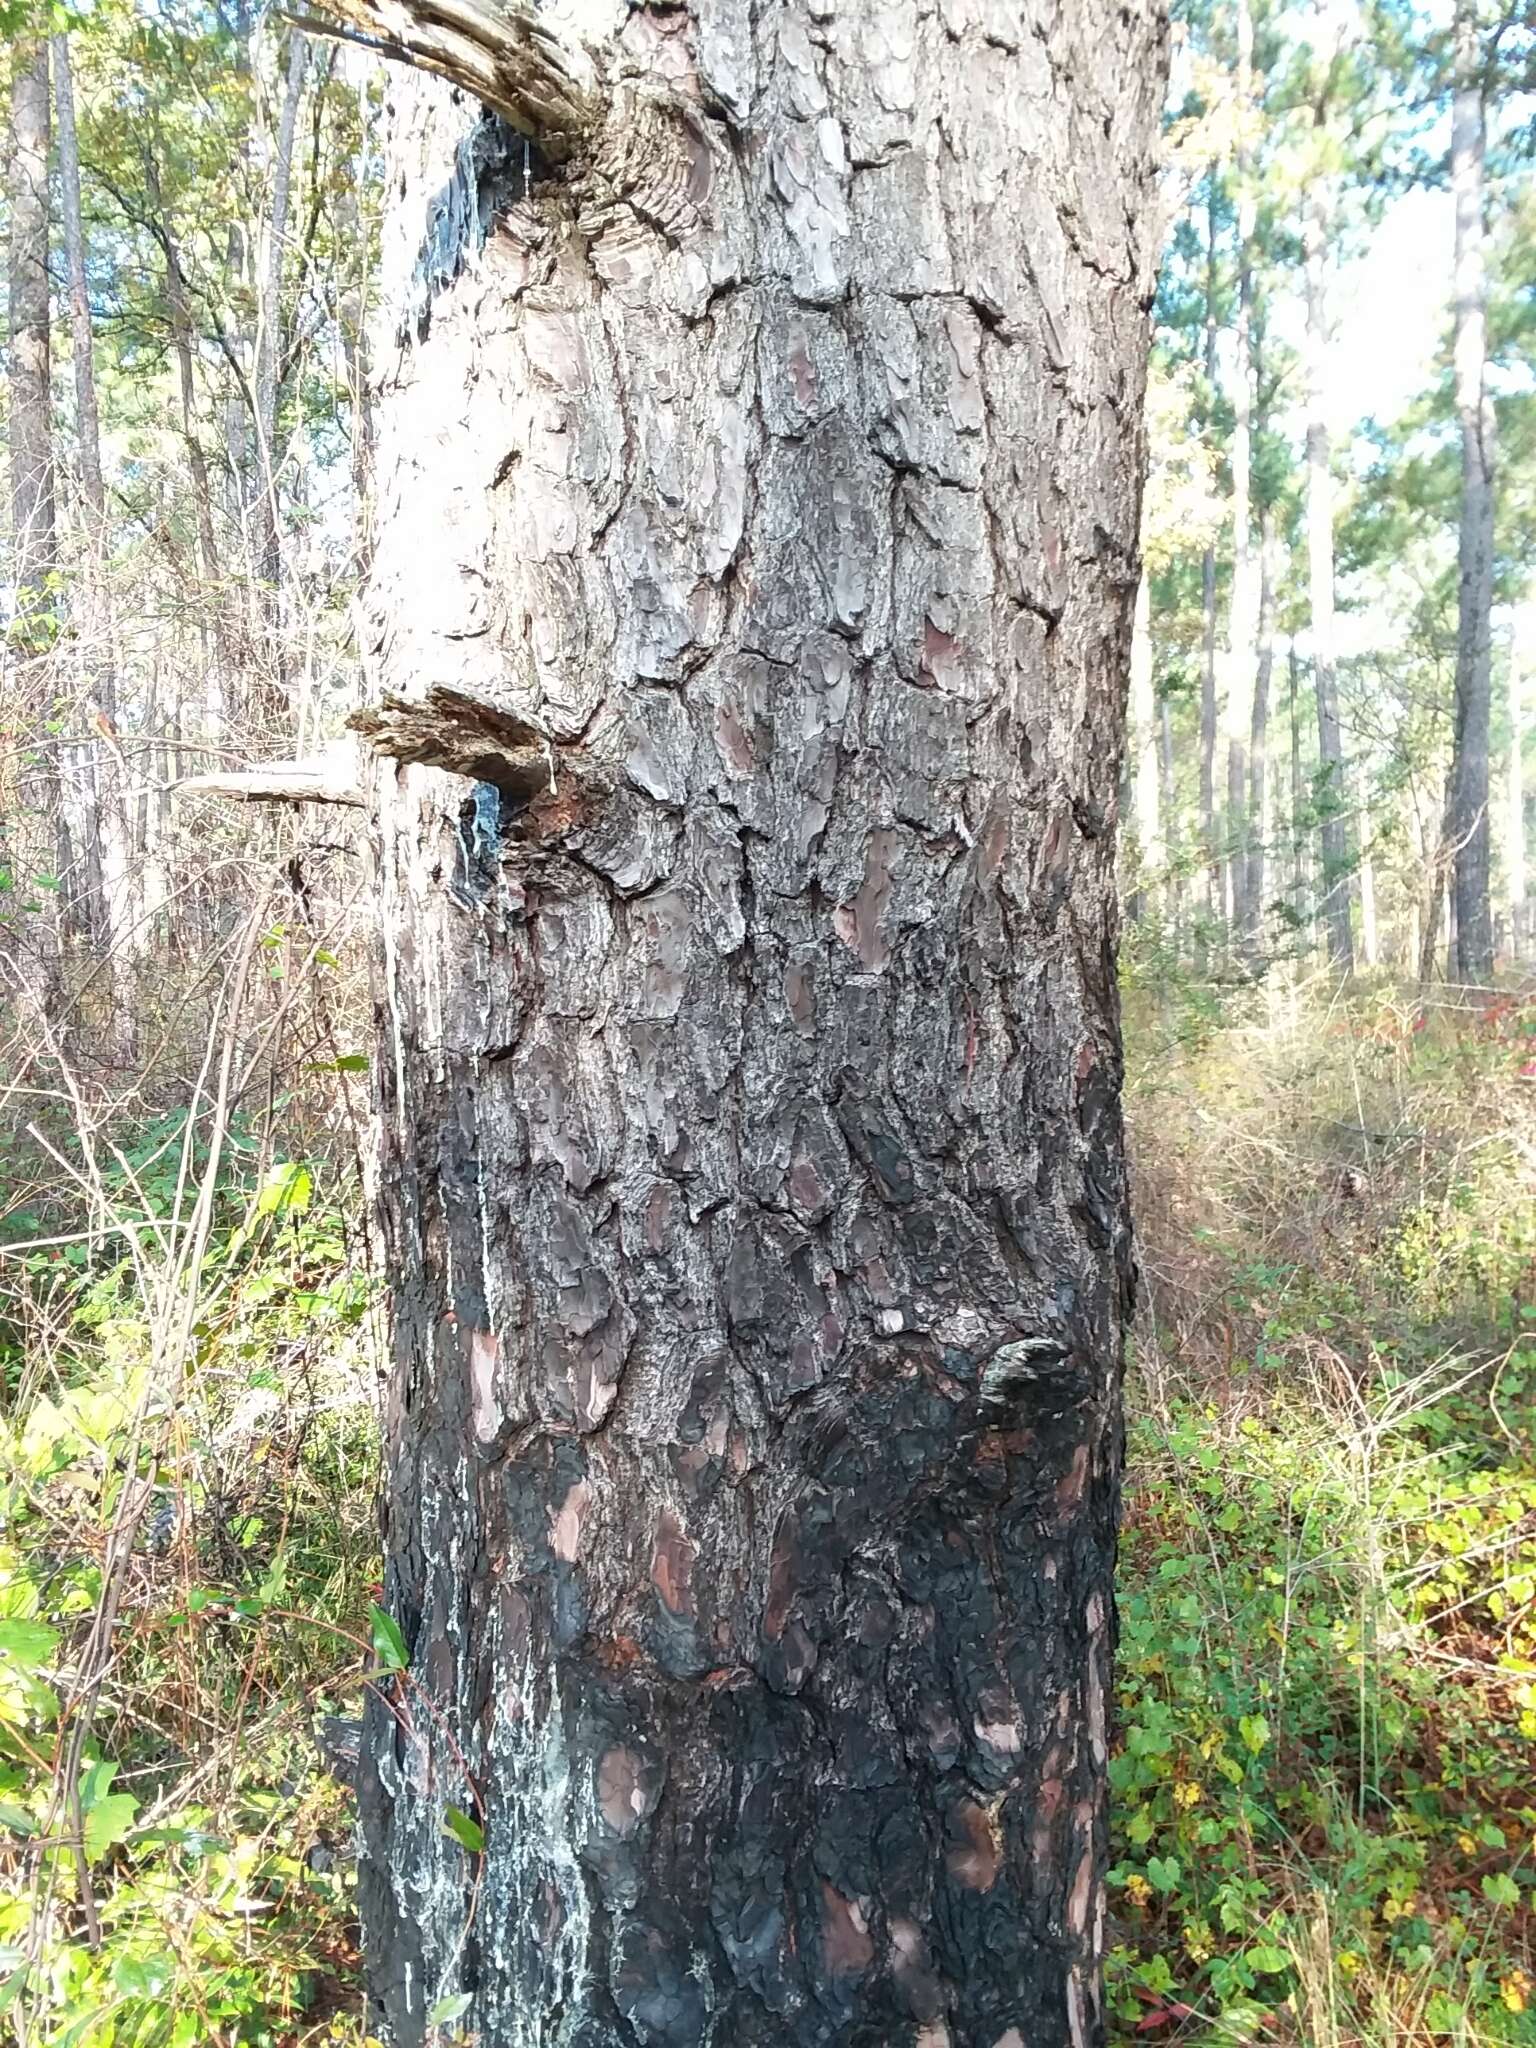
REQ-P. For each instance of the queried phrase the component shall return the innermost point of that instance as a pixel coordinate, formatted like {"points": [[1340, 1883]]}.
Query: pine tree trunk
{"points": [[1469, 823], [1208, 720], [34, 519], [184, 345], [758, 541], [1151, 855], [116, 922], [1260, 809], [1300, 895], [1169, 790], [29, 392], [1514, 795], [1243, 610], [276, 712], [82, 338], [1334, 886]]}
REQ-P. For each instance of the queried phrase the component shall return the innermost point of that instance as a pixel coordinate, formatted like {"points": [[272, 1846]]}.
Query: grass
{"points": [[1324, 1790], [1325, 1798]]}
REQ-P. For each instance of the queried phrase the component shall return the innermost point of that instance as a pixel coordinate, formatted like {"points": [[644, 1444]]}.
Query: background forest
{"points": [[1326, 1778]]}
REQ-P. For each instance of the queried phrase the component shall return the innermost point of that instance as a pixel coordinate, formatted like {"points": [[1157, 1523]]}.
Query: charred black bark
{"points": [[752, 1172]]}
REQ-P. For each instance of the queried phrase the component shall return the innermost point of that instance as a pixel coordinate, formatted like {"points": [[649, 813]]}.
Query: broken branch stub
{"points": [[544, 87], [447, 729], [327, 778]]}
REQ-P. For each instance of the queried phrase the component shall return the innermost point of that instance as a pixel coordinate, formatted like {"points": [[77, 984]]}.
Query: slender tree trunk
{"points": [[1169, 790], [33, 520], [214, 625], [1208, 721], [1370, 947], [1514, 796], [1260, 811], [269, 350], [1334, 893], [239, 316], [1300, 894], [1469, 821], [82, 336], [352, 321], [109, 825], [1150, 852], [751, 1170], [1243, 611], [1438, 891]]}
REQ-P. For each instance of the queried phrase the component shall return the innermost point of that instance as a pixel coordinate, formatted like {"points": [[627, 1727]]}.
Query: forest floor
{"points": [[1325, 1787]]}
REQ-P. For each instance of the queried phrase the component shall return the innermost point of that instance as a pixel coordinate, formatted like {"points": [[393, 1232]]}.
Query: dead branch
{"points": [[543, 87]]}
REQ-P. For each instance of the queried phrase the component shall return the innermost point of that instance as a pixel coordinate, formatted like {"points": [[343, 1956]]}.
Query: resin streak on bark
{"points": [[752, 1168]]}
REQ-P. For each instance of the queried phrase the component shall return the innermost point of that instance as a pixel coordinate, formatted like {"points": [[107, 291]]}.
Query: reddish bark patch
{"points": [[802, 372], [805, 1188], [781, 1579], [1004, 1443], [1081, 1895], [672, 1565], [800, 999], [621, 1796], [658, 1210], [846, 1944], [1048, 1801], [977, 1854], [731, 739], [1073, 1482], [618, 1653], [997, 1724], [939, 663], [551, 817], [857, 923], [566, 1520], [994, 847]]}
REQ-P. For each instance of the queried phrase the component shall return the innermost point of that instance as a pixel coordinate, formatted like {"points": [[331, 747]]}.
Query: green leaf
{"points": [[1267, 1959], [97, 1782], [107, 1823], [1254, 1730], [388, 1642], [1155, 1974], [447, 2010], [142, 1976], [1500, 1889], [464, 1830], [1164, 1873], [287, 1187], [27, 1645]]}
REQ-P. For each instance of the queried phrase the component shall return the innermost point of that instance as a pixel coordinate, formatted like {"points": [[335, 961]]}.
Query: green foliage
{"points": [[1324, 1797], [199, 1836]]}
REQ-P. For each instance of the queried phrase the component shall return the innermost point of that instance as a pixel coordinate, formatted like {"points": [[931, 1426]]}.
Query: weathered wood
{"points": [[544, 86], [751, 1171], [325, 779]]}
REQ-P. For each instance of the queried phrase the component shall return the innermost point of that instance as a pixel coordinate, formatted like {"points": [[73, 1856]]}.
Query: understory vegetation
{"points": [[1325, 1806]]}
